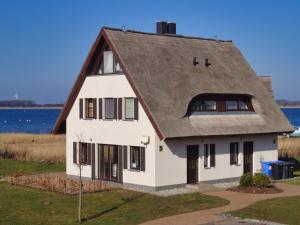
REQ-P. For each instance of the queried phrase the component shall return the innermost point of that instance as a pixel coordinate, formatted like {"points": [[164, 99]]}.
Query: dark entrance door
{"points": [[192, 153], [248, 157]]}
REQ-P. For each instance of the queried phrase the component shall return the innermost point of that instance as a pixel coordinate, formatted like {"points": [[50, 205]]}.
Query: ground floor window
{"points": [[234, 153], [135, 157], [209, 155], [83, 153]]}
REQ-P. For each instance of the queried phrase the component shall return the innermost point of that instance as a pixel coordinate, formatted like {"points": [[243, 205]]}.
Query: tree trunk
{"points": [[80, 195]]}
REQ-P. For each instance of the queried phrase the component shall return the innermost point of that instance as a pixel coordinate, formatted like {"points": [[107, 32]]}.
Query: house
{"points": [[159, 110]]}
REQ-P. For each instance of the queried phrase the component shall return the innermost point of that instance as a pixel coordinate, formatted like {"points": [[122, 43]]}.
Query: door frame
{"points": [[192, 176], [100, 164], [251, 154]]}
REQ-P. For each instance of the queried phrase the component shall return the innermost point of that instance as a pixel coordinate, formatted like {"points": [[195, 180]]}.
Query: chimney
{"points": [[163, 27]]}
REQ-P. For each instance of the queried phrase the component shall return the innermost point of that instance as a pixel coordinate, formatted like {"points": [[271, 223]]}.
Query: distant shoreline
{"points": [[292, 107], [37, 107]]}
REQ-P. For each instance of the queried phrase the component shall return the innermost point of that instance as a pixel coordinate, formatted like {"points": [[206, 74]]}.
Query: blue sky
{"points": [[44, 43]]}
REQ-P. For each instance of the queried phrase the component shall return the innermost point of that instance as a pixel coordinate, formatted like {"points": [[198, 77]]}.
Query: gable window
{"points": [[109, 108], [231, 105], [109, 63], [129, 108], [135, 157], [234, 153], [209, 155], [89, 109]]}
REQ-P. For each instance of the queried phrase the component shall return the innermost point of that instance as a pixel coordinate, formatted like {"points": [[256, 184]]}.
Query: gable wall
{"points": [[116, 132]]}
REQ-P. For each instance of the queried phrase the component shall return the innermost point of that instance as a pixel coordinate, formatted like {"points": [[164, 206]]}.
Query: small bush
{"points": [[261, 180], [246, 180]]}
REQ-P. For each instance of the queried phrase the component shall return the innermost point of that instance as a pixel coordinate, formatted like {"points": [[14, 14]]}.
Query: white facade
{"points": [[165, 161]]}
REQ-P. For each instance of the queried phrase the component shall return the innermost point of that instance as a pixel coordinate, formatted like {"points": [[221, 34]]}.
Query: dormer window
{"points": [[109, 63], [220, 103], [231, 105]]}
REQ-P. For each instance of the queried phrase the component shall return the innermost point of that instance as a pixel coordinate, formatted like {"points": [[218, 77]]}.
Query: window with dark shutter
{"points": [[143, 161], [74, 152], [81, 108], [95, 108], [125, 157], [212, 155], [100, 108], [89, 154], [120, 109], [206, 155], [83, 153], [120, 164], [234, 153], [93, 162], [115, 108], [136, 109]]}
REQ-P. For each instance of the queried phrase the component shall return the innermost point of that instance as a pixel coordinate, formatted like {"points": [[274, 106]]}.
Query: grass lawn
{"points": [[10, 166], [20, 205], [280, 210]]}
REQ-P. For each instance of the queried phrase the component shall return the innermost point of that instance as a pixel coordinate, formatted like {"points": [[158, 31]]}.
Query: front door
{"points": [[248, 157], [192, 153], [109, 163]]}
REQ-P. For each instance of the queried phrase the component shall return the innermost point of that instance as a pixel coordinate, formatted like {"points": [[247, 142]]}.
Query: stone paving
{"points": [[214, 216]]}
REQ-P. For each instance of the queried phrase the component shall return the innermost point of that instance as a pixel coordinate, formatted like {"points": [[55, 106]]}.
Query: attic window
{"points": [[109, 63], [220, 103]]}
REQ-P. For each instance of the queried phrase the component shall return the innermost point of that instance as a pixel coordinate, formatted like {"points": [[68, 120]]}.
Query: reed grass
{"points": [[288, 147], [33, 147]]}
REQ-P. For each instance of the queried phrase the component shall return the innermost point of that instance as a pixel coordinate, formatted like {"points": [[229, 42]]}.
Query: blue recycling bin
{"points": [[267, 167]]}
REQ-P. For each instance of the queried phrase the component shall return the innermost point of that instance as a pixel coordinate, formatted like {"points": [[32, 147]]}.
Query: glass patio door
{"points": [[110, 162]]}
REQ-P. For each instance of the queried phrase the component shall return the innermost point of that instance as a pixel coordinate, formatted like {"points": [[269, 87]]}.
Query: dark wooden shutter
{"points": [[100, 161], [120, 162], [115, 108], [89, 153], [125, 157], [100, 108], [119, 108], [231, 153], [81, 108], [212, 155], [93, 162], [74, 152], [143, 162], [95, 108], [205, 155], [136, 109]]}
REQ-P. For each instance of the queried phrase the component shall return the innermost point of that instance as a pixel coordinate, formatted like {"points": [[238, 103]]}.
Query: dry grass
{"points": [[33, 147], [289, 147]]}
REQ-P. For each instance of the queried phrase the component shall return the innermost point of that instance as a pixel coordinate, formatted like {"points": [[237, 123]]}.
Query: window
{"points": [[129, 108], [83, 153], [135, 158], [209, 155], [109, 63], [220, 103], [206, 155], [231, 105], [234, 153], [89, 109], [243, 106], [209, 105], [109, 108]]}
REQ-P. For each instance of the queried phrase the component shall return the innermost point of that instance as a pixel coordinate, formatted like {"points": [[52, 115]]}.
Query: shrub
{"points": [[246, 180], [261, 180]]}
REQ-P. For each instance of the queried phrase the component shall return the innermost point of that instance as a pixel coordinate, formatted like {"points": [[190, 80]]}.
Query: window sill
{"points": [[235, 165], [134, 170]]}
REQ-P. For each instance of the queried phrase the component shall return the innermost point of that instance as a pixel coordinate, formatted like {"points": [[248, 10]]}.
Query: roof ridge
{"points": [[165, 35]]}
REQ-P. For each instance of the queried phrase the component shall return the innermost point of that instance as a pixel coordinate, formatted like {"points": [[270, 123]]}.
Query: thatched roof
{"points": [[160, 69]]}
